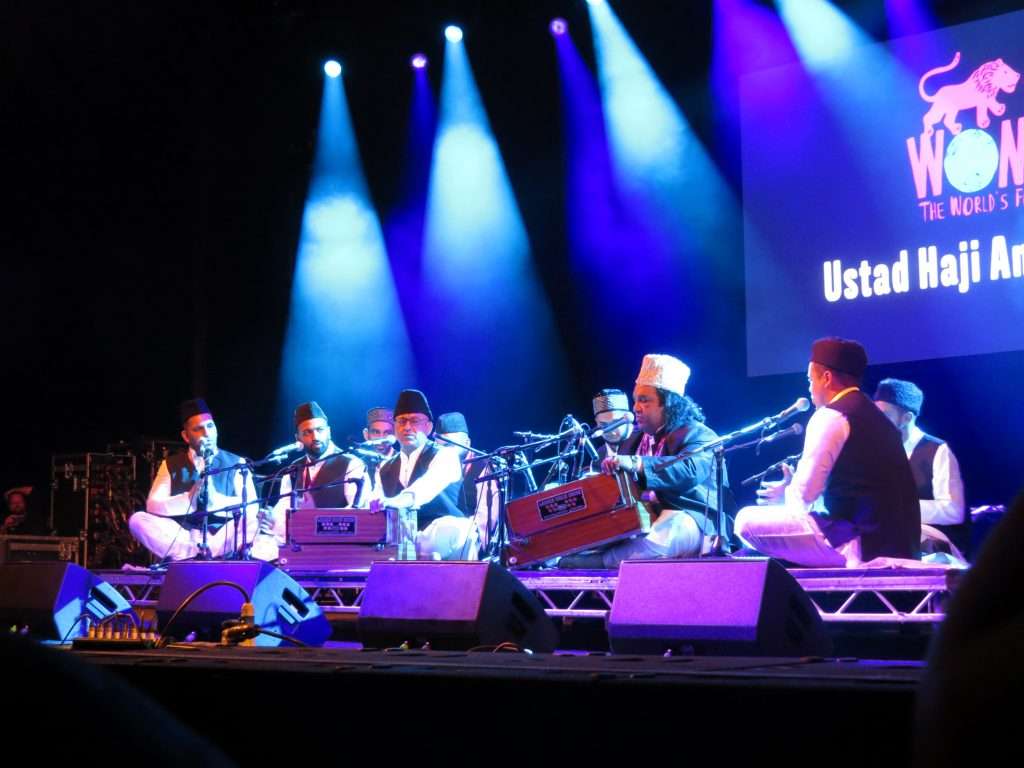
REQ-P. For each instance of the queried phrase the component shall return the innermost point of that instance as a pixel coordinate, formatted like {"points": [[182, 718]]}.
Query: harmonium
{"points": [[335, 538], [569, 518]]}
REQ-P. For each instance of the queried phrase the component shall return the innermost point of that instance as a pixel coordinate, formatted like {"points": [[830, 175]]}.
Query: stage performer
{"points": [[171, 525], [940, 488], [336, 479], [427, 477], [683, 491], [852, 497], [611, 405]]}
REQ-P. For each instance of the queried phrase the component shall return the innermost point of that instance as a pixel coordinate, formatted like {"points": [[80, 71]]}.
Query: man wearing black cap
{"points": [[936, 470], [479, 496], [852, 497], [426, 477], [334, 479], [171, 526]]}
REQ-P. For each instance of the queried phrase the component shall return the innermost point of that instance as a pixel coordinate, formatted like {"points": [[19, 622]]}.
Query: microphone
{"points": [[386, 440], [777, 465], [611, 426], [799, 406], [367, 456], [534, 436], [206, 451], [284, 449], [796, 429]]}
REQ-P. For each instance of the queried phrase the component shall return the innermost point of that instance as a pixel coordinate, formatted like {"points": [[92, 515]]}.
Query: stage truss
{"points": [[861, 596]]}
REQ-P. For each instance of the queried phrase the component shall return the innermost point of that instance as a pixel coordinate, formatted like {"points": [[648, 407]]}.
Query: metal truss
{"points": [[893, 596]]}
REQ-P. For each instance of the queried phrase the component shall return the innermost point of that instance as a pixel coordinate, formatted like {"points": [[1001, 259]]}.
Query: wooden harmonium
{"points": [[335, 538], [572, 517]]}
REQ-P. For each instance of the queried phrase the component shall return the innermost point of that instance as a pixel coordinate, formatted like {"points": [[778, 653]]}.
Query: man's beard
{"points": [[316, 453]]}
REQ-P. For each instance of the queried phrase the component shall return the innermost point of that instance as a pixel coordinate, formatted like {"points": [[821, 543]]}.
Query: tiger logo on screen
{"points": [[977, 92]]}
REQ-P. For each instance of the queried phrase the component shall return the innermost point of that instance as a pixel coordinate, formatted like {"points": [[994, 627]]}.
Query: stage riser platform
{"points": [[884, 597]]}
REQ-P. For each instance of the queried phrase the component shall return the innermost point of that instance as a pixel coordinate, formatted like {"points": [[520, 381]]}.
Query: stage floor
{"points": [[529, 707]]}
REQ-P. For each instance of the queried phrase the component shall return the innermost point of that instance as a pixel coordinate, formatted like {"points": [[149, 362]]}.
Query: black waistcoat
{"points": [[870, 492], [184, 475], [445, 503], [922, 460]]}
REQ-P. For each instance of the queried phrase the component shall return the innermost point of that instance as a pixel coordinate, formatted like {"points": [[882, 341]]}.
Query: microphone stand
{"points": [[720, 447], [204, 497]]}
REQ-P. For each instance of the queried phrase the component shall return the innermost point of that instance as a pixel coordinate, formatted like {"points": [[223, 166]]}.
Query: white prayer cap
{"points": [[664, 372]]}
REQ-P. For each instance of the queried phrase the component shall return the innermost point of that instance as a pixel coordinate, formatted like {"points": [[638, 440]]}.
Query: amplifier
{"points": [[19, 549]]}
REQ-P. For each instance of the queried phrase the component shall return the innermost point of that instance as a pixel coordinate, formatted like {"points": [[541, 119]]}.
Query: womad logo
{"points": [[979, 163], [970, 159]]}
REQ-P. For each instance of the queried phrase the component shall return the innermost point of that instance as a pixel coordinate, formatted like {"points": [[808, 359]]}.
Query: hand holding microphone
{"points": [[775, 492]]}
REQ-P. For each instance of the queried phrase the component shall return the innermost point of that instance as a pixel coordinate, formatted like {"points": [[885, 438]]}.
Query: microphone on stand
{"points": [[796, 429], [524, 465], [799, 406], [284, 450], [386, 440], [611, 426], [584, 438], [528, 436]]}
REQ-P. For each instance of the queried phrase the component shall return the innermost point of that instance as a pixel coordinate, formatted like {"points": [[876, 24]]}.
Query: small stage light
{"points": [[418, 61], [559, 26], [332, 68], [453, 33]]}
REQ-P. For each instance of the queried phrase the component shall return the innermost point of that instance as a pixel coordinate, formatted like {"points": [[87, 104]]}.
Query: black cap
{"points": [[191, 408], [841, 355], [412, 401], [307, 411]]}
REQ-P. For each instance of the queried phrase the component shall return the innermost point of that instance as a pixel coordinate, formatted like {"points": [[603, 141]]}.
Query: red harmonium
{"points": [[335, 539], [580, 515]]}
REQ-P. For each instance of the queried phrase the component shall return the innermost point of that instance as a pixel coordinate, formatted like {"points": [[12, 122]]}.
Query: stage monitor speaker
{"points": [[451, 605], [739, 607], [281, 605], [48, 599]]}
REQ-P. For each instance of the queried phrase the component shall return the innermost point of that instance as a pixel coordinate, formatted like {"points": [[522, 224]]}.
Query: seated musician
{"points": [[479, 496], [380, 423], [333, 479], [427, 477], [852, 497], [611, 405], [668, 423], [171, 525], [940, 487]]}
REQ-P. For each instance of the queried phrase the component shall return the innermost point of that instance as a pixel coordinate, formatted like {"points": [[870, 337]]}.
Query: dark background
{"points": [[157, 166]]}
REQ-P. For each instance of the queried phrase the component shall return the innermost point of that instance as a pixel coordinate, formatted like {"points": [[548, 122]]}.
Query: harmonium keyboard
{"points": [[335, 538], [580, 515]]}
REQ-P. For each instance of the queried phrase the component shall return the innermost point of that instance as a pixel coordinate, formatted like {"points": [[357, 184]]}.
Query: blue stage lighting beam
{"points": [[482, 309], [657, 158], [346, 345]]}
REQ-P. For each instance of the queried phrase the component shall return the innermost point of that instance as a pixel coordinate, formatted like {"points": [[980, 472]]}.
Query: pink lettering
{"points": [[926, 163], [1011, 153]]}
